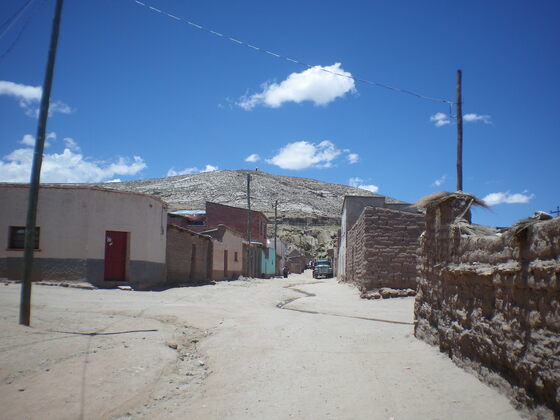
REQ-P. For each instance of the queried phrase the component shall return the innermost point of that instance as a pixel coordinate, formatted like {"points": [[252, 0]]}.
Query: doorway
{"points": [[115, 255], [225, 264]]}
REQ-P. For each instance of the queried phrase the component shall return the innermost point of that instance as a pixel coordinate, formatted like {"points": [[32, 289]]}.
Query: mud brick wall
{"points": [[381, 249], [492, 303], [188, 256]]}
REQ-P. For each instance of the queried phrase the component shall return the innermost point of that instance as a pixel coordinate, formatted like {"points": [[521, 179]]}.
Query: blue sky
{"points": [[138, 94]]}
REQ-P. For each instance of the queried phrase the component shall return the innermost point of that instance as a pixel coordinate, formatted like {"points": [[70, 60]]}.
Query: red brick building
{"points": [[220, 214]]}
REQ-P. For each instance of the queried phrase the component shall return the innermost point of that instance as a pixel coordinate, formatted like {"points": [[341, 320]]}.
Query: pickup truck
{"points": [[323, 268]]}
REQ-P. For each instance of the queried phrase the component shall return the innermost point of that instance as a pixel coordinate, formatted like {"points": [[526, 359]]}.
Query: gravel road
{"points": [[249, 349]]}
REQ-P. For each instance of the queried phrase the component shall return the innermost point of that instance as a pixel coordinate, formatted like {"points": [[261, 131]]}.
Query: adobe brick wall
{"points": [[492, 303], [236, 218], [381, 249], [179, 256]]}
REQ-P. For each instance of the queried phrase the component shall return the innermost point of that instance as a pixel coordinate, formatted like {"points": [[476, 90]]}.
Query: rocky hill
{"points": [[308, 209]]}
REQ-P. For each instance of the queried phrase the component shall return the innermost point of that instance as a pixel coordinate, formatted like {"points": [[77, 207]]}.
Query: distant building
{"points": [[227, 260], [268, 262], [296, 262], [194, 220], [216, 214], [281, 254]]}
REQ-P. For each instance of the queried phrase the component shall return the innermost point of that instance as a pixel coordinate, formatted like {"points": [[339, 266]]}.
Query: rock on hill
{"points": [[308, 210]]}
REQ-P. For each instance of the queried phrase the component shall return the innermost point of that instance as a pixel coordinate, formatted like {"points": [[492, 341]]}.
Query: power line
{"points": [[20, 33], [11, 21], [286, 58]]}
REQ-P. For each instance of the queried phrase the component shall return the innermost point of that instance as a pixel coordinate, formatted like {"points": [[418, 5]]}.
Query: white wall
{"points": [[73, 221]]}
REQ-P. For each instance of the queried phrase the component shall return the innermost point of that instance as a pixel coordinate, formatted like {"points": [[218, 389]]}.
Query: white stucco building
{"points": [[88, 233]]}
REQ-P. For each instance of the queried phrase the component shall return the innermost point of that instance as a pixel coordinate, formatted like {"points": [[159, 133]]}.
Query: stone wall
{"points": [[492, 301], [188, 256], [381, 249]]}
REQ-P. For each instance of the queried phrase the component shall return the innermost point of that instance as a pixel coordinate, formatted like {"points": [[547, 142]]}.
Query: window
{"points": [[17, 237], [235, 256]]}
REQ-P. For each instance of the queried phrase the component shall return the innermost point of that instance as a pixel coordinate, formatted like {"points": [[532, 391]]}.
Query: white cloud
{"points": [[113, 180], [439, 182], [353, 158], [371, 188], [353, 182], [440, 119], [476, 117], [359, 183], [194, 170], [59, 106], [21, 92], [253, 158], [71, 144], [29, 97], [29, 140], [303, 155], [317, 84], [67, 167], [507, 198], [210, 168]]}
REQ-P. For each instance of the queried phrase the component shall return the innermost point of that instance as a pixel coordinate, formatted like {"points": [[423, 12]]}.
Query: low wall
{"points": [[381, 249], [492, 301]]}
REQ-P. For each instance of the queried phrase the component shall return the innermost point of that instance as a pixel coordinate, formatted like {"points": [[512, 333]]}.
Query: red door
{"points": [[115, 255]]}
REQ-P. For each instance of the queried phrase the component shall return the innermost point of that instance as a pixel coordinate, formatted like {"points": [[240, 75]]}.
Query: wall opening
{"points": [[116, 255]]}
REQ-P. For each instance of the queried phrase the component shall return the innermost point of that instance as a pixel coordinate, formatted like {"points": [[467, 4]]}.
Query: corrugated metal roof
{"points": [[188, 212]]}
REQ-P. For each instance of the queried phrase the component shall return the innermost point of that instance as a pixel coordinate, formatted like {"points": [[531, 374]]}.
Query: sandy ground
{"points": [[255, 349]]}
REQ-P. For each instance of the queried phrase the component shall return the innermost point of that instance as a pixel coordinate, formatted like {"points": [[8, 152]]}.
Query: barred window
{"points": [[17, 237]]}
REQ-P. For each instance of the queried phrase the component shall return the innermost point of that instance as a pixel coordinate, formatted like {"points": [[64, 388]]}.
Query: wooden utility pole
{"points": [[275, 224], [25, 304], [250, 249], [249, 208], [459, 134]]}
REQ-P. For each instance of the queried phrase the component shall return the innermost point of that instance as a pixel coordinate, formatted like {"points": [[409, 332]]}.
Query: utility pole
{"points": [[556, 212], [459, 134], [25, 304], [275, 224], [251, 263], [249, 208]]}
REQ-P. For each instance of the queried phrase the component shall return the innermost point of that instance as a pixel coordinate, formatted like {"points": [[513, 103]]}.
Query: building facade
{"points": [[88, 233], [236, 218], [381, 249], [188, 256], [352, 208], [227, 251]]}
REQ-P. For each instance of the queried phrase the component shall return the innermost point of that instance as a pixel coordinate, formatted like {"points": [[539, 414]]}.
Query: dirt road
{"points": [[256, 349]]}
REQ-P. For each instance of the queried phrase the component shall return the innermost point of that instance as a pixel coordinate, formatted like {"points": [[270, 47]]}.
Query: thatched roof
{"points": [[440, 197], [521, 227]]}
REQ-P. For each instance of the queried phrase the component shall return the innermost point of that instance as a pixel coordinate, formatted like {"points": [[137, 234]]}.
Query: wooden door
{"points": [[225, 264], [192, 273], [115, 255]]}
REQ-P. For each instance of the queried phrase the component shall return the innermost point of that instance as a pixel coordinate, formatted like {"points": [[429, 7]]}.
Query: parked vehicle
{"points": [[323, 268]]}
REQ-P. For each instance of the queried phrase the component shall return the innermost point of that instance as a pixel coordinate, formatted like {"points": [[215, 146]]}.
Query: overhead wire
{"points": [[15, 17], [286, 58], [20, 33]]}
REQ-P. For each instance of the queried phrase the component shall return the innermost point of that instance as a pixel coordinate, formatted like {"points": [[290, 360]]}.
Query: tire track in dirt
{"points": [[284, 303]]}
